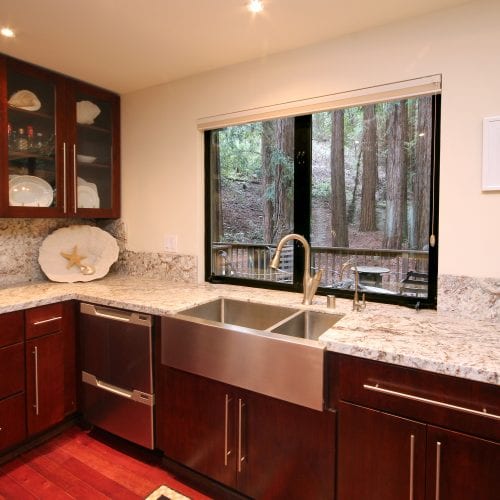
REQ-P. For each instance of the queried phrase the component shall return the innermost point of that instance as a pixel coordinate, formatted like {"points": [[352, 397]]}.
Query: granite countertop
{"points": [[429, 340]]}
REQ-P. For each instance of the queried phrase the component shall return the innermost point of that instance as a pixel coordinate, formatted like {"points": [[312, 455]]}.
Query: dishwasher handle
{"points": [[135, 395], [133, 318]]}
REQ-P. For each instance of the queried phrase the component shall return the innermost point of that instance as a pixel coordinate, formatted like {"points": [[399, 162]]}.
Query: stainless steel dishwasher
{"points": [[117, 371]]}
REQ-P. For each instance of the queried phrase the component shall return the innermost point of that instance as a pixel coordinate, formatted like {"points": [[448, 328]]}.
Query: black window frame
{"points": [[302, 218]]}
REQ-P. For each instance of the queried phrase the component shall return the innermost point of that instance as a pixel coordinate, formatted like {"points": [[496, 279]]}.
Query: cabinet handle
{"points": [[412, 464], [35, 354], [42, 321], [74, 179], [227, 452], [438, 469], [241, 457], [65, 203], [449, 406]]}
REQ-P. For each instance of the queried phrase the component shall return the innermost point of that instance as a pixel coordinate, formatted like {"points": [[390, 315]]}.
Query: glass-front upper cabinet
{"points": [[59, 145], [95, 150], [32, 152]]}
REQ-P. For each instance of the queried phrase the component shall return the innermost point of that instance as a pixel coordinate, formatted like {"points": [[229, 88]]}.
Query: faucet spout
{"points": [[310, 283], [356, 305]]}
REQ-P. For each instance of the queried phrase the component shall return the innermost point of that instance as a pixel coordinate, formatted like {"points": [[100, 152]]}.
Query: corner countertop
{"points": [[428, 340]]}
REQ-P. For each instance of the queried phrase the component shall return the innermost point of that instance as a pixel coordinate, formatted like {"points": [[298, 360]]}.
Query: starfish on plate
{"points": [[73, 258]]}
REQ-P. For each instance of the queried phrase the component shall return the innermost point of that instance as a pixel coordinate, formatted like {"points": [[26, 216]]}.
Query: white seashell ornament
{"points": [[77, 253], [86, 112]]}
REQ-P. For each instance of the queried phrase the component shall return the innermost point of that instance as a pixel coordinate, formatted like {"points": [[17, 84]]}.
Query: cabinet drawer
{"points": [[451, 402], [11, 370], [12, 421], [44, 320], [11, 328]]}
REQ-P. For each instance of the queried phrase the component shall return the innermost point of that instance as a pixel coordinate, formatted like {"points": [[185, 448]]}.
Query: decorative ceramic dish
{"points": [[29, 191], [86, 158], [77, 253]]}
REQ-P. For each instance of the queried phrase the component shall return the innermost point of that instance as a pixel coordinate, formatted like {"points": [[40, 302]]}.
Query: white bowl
{"points": [[86, 158]]}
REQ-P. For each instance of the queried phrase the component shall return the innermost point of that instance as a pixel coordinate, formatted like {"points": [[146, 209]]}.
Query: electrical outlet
{"points": [[170, 242]]}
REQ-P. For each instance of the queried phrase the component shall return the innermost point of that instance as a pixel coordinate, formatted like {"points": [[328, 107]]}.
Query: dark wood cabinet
{"points": [[406, 433], [50, 365], [461, 467], [44, 382], [12, 380], [58, 159], [260, 446]]}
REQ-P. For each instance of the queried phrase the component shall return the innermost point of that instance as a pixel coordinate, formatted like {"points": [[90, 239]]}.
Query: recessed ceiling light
{"points": [[255, 6], [7, 32]]}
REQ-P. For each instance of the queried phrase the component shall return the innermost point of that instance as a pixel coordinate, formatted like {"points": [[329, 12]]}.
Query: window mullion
{"points": [[302, 191]]}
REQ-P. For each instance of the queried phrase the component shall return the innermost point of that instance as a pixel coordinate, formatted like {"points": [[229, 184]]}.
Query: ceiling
{"points": [[127, 45]]}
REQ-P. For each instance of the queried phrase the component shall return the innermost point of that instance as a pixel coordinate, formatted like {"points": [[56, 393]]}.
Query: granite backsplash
{"points": [[20, 240]]}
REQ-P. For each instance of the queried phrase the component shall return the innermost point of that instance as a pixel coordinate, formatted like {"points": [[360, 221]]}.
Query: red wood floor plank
{"points": [[138, 484], [86, 473], [65, 479], [34, 482], [10, 489]]}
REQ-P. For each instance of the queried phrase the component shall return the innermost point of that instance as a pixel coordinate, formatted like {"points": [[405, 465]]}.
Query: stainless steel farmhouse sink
{"points": [[272, 350]]}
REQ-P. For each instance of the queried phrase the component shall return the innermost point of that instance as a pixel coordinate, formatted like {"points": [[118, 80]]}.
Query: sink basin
{"points": [[268, 349], [240, 313], [307, 324]]}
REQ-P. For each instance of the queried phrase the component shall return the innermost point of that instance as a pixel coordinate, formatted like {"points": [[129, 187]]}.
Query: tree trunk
{"points": [[283, 180], [217, 223], [421, 190], [339, 216], [277, 178], [395, 178], [267, 180], [368, 219]]}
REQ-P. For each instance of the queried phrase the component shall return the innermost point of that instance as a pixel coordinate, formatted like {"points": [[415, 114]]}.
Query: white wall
{"points": [[163, 155]]}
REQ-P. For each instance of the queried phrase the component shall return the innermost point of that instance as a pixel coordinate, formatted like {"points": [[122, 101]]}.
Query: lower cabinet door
{"points": [[285, 451], [461, 467], [195, 424], [44, 382], [380, 456], [12, 422]]}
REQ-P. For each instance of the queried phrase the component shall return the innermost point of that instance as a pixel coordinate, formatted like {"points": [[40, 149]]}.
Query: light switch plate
{"points": [[170, 242]]}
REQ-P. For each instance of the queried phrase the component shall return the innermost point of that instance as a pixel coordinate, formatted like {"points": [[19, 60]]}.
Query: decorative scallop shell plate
{"points": [[88, 254]]}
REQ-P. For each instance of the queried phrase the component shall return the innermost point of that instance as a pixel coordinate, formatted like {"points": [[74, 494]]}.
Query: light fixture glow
{"points": [[7, 32], [255, 6]]}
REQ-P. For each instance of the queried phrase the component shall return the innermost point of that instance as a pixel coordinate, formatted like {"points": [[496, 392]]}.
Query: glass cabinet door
{"points": [[95, 152], [35, 183]]}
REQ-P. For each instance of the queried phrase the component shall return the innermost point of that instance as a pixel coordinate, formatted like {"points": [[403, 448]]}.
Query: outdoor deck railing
{"points": [[253, 262]]}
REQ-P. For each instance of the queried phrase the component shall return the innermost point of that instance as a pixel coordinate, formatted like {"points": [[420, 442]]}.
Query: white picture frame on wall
{"points": [[491, 154]]}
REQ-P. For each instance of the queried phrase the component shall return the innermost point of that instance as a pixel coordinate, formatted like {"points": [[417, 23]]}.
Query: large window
{"points": [[359, 183]]}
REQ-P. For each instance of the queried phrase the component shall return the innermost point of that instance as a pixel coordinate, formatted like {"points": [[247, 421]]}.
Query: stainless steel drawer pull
{"points": [[412, 464], [438, 470], [116, 315], [42, 321], [241, 457], [65, 205], [227, 452], [434, 402], [36, 406], [138, 396]]}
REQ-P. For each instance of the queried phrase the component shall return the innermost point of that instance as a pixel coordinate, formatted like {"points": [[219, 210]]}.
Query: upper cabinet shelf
{"points": [[59, 145]]}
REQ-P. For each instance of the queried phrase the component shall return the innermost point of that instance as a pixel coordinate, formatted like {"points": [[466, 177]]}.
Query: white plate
{"points": [[86, 158], [87, 197], [29, 191]]}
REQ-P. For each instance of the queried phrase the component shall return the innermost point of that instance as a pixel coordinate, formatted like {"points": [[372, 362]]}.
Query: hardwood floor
{"points": [[82, 465]]}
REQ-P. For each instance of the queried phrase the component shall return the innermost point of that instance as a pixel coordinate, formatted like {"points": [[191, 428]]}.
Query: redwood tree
{"points": [[338, 199], [368, 220]]}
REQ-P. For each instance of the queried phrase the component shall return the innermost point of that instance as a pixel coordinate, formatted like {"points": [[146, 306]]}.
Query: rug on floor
{"points": [[166, 493]]}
